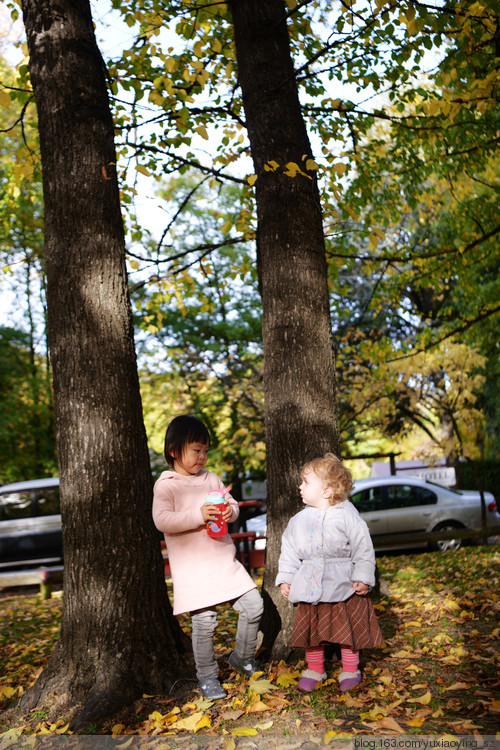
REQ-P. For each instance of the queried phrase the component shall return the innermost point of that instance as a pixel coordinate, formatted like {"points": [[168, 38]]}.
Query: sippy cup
{"points": [[217, 527]]}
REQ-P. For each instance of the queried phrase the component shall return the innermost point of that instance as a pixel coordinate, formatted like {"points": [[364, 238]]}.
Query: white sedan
{"points": [[400, 507]]}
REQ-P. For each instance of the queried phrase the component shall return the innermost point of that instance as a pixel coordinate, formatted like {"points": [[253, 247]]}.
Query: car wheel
{"points": [[447, 544]]}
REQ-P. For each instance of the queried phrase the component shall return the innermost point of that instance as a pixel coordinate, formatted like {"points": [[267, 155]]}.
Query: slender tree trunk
{"points": [[299, 372], [118, 638]]}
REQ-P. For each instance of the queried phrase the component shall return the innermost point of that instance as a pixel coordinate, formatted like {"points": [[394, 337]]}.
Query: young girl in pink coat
{"points": [[326, 568], [205, 571]]}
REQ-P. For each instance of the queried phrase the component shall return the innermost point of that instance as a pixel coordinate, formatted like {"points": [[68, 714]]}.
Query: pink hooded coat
{"points": [[205, 570]]}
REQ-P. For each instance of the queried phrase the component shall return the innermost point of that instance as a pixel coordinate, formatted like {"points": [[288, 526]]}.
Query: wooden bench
{"points": [[43, 577]]}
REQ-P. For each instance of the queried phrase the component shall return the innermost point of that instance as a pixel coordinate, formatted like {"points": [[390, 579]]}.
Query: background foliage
{"points": [[401, 102]]}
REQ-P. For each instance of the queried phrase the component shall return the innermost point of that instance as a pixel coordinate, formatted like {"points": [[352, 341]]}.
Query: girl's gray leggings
{"points": [[250, 607]]}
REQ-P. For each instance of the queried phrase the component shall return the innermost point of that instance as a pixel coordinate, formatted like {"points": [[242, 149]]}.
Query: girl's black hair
{"points": [[182, 430]]}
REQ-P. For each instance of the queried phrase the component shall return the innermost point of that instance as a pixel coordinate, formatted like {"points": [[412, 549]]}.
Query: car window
{"points": [[409, 496], [15, 505], [48, 502], [368, 500]]}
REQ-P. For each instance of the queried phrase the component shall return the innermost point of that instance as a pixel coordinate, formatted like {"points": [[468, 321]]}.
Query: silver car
{"points": [[398, 508], [30, 524]]}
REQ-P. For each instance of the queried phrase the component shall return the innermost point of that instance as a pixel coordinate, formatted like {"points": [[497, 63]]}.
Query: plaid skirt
{"points": [[352, 623]]}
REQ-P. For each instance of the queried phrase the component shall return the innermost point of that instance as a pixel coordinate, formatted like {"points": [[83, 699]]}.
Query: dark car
{"points": [[30, 524]]}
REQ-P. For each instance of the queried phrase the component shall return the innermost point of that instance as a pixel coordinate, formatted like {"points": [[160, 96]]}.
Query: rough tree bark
{"points": [[118, 638], [299, 370]]}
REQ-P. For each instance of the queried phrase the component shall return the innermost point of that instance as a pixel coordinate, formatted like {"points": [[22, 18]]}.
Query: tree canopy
{"points": [[401, 102]]}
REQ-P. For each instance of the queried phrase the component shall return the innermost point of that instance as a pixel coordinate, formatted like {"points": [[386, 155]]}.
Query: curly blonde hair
{"points": [[334, 475]]}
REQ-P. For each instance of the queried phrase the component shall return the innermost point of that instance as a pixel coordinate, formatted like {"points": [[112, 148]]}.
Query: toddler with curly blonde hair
{"points": [[326, 568]]}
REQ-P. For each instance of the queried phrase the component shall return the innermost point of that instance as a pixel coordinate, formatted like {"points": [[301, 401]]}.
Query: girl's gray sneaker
{"points": [[245, 666], [212, 689]]}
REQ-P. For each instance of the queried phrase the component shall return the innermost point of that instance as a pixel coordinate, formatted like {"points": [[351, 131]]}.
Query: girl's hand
{"points": [[360, 588], [285, 589], [227, 513], [209, 511]]}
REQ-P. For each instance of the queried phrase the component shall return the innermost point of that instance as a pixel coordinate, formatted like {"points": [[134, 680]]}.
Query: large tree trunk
{"points": [[118, 638], [299, 372]]}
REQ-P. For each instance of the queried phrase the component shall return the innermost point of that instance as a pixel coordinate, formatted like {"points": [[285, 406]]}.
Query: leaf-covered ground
{"points": [[437, 672]]}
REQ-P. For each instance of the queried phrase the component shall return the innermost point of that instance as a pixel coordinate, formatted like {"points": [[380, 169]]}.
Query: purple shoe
{"points": [[310, 680], [348, 680]]}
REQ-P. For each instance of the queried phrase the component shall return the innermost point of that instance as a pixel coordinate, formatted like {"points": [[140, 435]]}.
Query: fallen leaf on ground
{"points": [[389, 723], [231, 715], [425, 699], [287, 678], [416, 722], [257, 706], [261, 686], [263, 727], [458, 686]]}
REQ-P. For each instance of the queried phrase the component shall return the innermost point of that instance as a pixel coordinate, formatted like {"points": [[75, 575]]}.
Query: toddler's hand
{"points": [[285, 589], [360, 588]]}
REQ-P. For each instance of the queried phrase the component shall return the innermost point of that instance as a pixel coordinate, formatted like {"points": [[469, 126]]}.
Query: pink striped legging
{"points": [[315, 658]]}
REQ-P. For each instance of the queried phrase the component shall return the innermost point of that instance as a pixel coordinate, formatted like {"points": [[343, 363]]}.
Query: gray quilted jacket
{"points": [[323, 552]]}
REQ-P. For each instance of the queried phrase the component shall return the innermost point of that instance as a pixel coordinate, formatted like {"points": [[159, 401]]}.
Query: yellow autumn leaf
{"points": [[228, 744], [442, 638], [59, 727], [257, 706], [5, 100], [7, 692], [201, 130], [311, 165], [287, 678], [351, 702], [389, 723], [376, 713], [190, 722], [252, 179], [385, 679], [413, 624], [328, 737], [264, 726], [126, 744], [244, 732], [203, 722], [423, 699], [412, 27], [292, 170], [261, 686], [413, 668], [417, 722], [117, 729], [354, 216], [458, 686], [143, 170], [340, 168], [271, 166]]}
